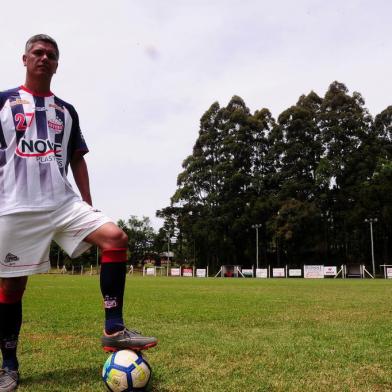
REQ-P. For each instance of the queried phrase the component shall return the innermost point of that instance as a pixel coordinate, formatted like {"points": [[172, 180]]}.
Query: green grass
{"points": [[215, 334]]}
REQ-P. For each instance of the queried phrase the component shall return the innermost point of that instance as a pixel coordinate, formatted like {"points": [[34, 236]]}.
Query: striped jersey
{"points": [[38, 137]]}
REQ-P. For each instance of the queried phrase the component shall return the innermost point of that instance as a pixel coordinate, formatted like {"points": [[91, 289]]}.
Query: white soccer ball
{"points": [[126, 371]]}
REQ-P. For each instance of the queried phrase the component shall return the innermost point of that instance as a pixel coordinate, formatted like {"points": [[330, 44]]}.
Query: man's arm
{"points": [[80, 174]]}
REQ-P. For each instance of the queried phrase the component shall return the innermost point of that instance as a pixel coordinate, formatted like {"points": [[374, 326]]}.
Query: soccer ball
{"points": [[126, 371]]}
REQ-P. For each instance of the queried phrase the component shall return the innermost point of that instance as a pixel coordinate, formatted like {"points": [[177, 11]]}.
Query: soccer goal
{"points": [[353, 271], [230, 271]]}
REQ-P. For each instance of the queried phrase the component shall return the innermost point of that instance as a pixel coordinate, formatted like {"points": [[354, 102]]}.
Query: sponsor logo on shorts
{"points": [[19, 102], [57, 107], [10, 258], [56, 124]]}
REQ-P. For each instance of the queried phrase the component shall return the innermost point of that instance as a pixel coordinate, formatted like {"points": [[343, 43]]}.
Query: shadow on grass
{"points": [[75, 378], [61, 380]]}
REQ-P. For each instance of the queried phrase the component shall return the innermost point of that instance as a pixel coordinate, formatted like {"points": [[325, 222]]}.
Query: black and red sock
{"points": [[10, 324], [112, 281]]}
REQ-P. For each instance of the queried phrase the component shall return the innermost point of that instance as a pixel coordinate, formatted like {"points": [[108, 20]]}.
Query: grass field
{"points": [[215, 334]]}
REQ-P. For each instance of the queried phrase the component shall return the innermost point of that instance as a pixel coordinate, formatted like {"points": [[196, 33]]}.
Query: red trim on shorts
{"points": [[24, 265], [114, 255], [10, 297]]}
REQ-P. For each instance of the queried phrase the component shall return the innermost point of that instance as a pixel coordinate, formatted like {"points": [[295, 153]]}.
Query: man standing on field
{"points": [[40, 138]]}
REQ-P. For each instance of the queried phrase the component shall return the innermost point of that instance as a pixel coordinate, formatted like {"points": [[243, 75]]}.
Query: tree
{"points": [[310, 178], [346, 129], [141, 237], [298, 148]]}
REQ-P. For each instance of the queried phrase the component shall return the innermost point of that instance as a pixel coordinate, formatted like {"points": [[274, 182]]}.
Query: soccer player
{"points": [[40, 138]]}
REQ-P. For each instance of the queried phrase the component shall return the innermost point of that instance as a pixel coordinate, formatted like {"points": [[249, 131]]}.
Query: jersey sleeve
{"points": [[76, 141], [3, 98]]}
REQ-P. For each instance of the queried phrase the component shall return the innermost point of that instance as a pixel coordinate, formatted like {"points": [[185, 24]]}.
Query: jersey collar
{"points": [[24, 88]]}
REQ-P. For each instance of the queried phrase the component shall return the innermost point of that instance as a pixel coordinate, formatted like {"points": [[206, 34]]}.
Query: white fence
{"points": [[308, 271], [314, 271], [186, 272]]}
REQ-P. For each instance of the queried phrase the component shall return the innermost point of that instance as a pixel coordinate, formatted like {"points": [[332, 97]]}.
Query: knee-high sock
{"points": [[10, 324], [112, 280]]}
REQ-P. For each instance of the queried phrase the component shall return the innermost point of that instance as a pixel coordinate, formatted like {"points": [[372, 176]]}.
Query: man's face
{"points": [[41, 59]]}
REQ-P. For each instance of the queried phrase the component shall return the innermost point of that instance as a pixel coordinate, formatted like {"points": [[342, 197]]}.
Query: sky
{"points": [[142, 73]]}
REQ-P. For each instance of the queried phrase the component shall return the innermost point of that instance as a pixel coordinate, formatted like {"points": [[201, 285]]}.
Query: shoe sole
{"points": [[110, 349]]}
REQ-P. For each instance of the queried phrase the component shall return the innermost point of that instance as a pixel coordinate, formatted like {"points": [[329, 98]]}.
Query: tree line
{"points": [[310, 179]]}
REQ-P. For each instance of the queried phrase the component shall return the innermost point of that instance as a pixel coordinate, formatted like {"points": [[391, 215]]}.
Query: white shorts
{"points": [[25, 237]]}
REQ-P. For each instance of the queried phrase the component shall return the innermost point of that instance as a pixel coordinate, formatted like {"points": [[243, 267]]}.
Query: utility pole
{"points": [[168, 250], [371, 221], [257, 226]]}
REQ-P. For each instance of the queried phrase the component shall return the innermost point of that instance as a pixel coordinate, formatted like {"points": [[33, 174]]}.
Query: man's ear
{"points": [[24, 58]]}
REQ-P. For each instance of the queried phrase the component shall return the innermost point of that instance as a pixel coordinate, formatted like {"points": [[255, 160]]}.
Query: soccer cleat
{"points": [[127, 339], [9, 380]]}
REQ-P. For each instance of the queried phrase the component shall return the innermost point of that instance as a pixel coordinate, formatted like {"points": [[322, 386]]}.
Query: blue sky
{"points": [[142, 73]]}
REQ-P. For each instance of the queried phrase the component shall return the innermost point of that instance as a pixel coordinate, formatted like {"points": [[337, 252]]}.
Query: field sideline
{"points": [[215, 334]]}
